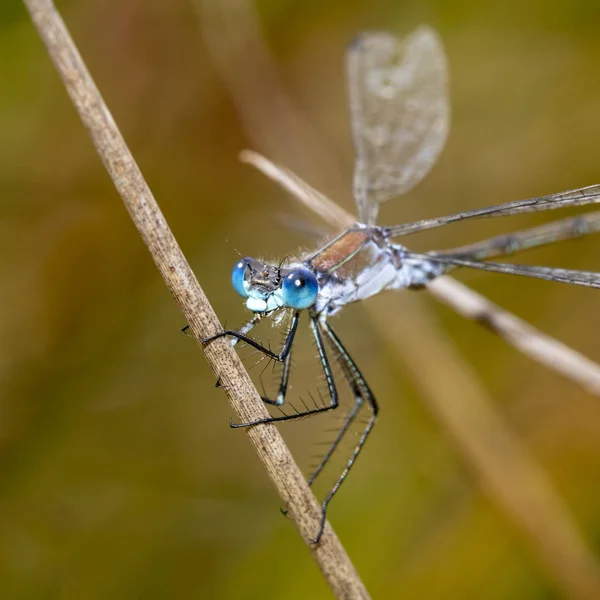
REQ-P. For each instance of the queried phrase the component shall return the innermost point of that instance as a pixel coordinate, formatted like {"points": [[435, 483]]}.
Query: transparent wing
{"points": [[572, 276], [578, 197], [505, 245], [399, 113]]}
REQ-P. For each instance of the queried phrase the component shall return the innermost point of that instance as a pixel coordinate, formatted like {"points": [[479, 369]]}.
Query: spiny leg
{"points": [[284, 356], [333, 395], [358, 403], [359, 385], [283, 383], [348, 420], [248, 326], [241, 335], [244, 329]]}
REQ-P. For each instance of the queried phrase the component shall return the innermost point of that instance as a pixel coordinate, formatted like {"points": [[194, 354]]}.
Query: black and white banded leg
{"points": [[243, 330], [287, 361], [362, 396], [284, 356]]}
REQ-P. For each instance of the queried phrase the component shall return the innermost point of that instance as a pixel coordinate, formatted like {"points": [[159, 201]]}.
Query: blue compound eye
{"points": [[237, 277], [300, 289]]}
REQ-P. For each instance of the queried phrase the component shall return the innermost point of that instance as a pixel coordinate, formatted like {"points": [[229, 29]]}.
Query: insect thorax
{"points": [[360, 263]]}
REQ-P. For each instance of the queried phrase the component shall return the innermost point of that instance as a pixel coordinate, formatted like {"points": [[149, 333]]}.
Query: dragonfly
{"points": [[399, 112]]}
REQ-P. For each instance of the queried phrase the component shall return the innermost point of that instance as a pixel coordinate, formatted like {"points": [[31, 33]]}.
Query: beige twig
{"points": [[145, 213], [532, 342]]}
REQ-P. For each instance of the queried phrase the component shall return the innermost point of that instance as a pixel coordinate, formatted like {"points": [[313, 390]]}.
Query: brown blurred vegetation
{"points": [[119, 475]]}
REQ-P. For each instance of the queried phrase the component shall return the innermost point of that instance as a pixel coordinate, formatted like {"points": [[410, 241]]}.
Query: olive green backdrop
{"points": [[119, 476]]}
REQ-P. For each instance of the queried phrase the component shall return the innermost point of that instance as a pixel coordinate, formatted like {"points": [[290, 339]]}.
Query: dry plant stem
{"points": [[505, 468], [532, 342], [508, 471], [231, 33], [145, 213]]}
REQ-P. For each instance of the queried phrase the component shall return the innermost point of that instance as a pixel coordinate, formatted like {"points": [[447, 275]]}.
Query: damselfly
{"points": [[399, 117]]}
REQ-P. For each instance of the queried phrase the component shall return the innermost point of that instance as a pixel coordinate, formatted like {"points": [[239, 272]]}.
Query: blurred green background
{"points": [[119, 475]]}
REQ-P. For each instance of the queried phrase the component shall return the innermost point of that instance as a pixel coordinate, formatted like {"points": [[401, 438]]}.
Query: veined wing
{"points": [[572, 276], [557, 231], [399, 110], [474, 255], [578, 197]]}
